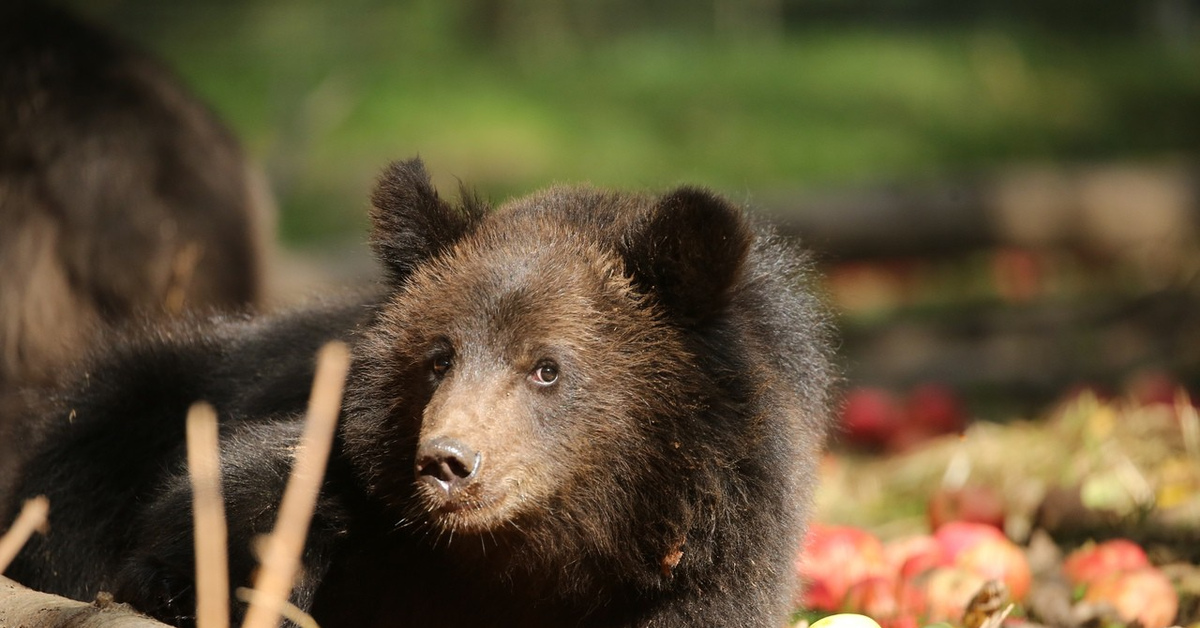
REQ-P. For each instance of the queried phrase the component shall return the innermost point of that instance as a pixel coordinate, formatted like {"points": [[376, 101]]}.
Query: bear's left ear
{"points": [[410, 223], [690, 252]]}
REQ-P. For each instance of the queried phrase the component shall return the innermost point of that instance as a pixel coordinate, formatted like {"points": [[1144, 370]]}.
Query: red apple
{"points": [[957, 536], [870, 416], [900, 621], [911, 598], [937, 408], [1094, 562], [874, 596], [1144, 595], [832, 560], [948, 590], [816, 594], [911, 556], [999, 559]]}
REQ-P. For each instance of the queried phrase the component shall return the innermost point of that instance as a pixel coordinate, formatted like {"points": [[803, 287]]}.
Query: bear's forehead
{"points": [[523, 277], [542, 252], [534, 267]]}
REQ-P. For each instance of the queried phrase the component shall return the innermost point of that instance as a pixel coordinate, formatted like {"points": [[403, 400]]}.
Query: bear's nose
{"points": [[446, 462]]}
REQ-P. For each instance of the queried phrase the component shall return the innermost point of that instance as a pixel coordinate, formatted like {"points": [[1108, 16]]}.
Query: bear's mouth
{"points": [[463, 508]]}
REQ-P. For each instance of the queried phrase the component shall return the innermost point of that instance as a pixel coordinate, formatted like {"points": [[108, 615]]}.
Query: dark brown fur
{"points": [[662, 479], [121, 195]]}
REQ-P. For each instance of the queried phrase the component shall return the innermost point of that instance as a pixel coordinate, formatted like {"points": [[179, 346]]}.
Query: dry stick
{"points": [[208, 519], [287, 609], [281, 557], [32, 517]]}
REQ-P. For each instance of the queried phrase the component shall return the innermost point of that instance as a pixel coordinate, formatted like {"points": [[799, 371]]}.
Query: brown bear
{"points": [[121, 194], [582, 408], [121, 197]]}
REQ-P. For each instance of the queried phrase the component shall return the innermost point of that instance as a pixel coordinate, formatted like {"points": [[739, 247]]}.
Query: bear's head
{"points": [[554, 376]]}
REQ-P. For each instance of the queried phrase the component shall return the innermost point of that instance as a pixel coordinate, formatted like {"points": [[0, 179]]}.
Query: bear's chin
{"points": [[468, 510]]}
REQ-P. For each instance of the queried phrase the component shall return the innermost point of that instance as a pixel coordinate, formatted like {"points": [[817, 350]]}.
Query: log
{"points": [[21, 607], [1105, 210]]}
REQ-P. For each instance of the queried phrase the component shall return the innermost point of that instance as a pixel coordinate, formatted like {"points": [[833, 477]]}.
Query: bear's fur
{"points": [[583, 408], [121, 195]]}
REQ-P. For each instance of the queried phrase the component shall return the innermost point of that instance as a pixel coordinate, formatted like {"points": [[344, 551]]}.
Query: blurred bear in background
{"points": [[121, 196]]}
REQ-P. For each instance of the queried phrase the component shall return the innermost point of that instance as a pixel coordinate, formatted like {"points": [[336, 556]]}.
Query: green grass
{"points": [[326, 96]]}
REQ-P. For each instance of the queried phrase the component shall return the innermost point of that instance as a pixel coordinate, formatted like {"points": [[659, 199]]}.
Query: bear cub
{"points": [[581, 408]]}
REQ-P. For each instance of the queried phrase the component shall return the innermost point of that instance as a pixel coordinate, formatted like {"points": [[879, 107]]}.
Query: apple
{"points": [[845, 620], [937, 408], [999, 559], [1144, 595], [870, 416], [834, 558], [816, 594], [1096, 561], [874, 596], [910, 556], [901, 621], [957, 536], [948, 590]]}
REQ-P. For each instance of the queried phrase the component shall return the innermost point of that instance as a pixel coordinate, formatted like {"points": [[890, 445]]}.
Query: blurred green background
{"points": [[759, 98], [1003, 193]]}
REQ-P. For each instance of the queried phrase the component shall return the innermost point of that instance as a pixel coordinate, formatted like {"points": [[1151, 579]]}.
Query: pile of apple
{"points": [[910, 581], [1117, 572], [924, 579]]}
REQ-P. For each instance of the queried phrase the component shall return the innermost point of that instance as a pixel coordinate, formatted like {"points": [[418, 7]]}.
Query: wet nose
{"points": [[446, 463]]}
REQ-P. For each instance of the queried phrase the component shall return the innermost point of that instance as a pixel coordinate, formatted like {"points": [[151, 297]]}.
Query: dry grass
{"points": [[281, 556]]}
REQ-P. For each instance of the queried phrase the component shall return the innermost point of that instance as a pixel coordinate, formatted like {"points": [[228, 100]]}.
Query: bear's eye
{"points": [[440, 364], [545, 373]]}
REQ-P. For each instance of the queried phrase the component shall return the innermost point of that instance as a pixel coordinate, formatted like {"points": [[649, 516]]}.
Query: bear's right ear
{"points": [[410, 223]]}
